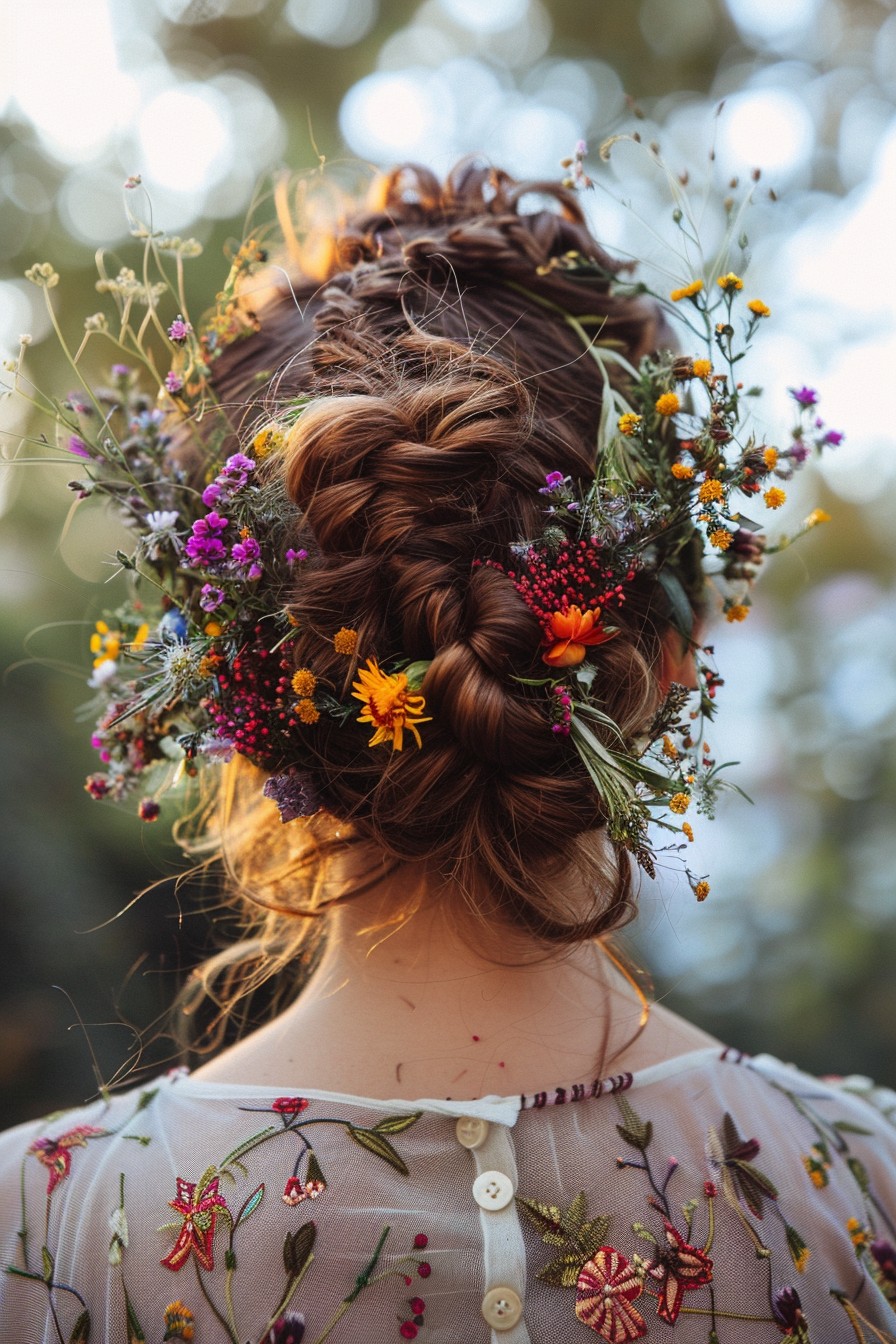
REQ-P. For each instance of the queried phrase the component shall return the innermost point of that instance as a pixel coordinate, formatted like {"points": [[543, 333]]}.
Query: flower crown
{"points": [[196, 664]]}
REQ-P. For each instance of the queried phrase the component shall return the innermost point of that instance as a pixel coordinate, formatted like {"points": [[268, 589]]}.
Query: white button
{"points": [[502, 1308], [493, 1190], [471, 1131]]}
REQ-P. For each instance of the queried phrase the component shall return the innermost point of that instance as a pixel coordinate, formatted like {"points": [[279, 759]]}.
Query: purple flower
{"points": [[179, 330], [296, 556], [884, 1254], [205, 547], [554, 480], [121, 371], [211, 495], [239, 463], [77, 446], [804, 396], [75, 402], [173, 381], [834, 437], [799, 452], [294, 793], [244, 552], [787, 1308], [210, 598]]}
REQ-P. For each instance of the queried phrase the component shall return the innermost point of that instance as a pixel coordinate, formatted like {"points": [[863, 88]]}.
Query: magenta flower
{"points": [[834, 437], [78, 447], [205, 547], [292, 557], [179, 330], [174, 382], [55, 1154], [804, 396], [286, 1330], [211, 495], [121, 371], [554, 480]]}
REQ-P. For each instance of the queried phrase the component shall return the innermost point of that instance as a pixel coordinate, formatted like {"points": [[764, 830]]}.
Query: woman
{"points": [[457, 668]]}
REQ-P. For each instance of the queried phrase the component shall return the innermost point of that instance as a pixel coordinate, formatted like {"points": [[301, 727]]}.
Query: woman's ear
{"points": [[677, 660]]}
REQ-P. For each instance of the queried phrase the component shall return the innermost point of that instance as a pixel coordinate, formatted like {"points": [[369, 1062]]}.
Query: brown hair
{"points": [[443, 388]]}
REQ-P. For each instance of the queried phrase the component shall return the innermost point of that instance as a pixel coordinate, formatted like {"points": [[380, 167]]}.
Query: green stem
{"points": [[202, 1288]]}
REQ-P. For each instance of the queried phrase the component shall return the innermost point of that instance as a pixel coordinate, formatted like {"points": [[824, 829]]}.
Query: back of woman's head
{"points": [[442, 382]]}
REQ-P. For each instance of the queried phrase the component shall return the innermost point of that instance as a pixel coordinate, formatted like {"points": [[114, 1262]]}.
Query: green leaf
{"points": [[396, 1124], [547, 1218], [245, 1146], [563, 1272], [572, 1219], [250, 1205], [847, 1127], [681, 610], [859, 1174], [46, 1260], [298, 1248], [593, 1234], [135, 1335], [375, 1143], [634, 1131], [81, 1331]]}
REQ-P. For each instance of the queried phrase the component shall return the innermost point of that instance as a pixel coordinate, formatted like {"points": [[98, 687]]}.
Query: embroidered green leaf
{"points": [[547, 1218], [395, 1124], [563, 1272], [859, 1174], [572, 1219], [313, 1173], [245, 1146], [635, 1131], [298, 1248], [250, 1206], [688, 1211], [644, 1233], [375, 1143], [46, 1260], [208, 1175], [753, 1185], [847, 1127], [81, 1331], [799, 1251], [593, 1235], [145, 1098], [135, 1335]]}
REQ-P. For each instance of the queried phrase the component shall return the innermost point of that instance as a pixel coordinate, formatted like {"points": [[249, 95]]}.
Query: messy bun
{"points": [[441, 389]]}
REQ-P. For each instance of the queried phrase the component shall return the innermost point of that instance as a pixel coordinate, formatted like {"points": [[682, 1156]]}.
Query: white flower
{"points": [[161, 519], [106, 671]]}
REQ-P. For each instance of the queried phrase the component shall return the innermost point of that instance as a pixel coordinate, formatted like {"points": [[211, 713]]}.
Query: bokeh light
{"points": [[337, 23]]}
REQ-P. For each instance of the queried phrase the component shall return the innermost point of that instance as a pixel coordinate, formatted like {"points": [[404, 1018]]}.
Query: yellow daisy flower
{"points": [[388, 705]]}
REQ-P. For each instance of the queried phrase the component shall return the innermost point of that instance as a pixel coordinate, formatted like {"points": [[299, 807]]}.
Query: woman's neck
{"points": [[439, 1005]]}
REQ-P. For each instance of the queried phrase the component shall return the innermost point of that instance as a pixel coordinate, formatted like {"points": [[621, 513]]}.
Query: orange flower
{"points": [[388, 705], [570, 632]]}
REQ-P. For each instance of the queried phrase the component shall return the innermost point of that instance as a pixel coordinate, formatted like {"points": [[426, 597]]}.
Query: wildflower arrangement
{"points": [[196, 664]]}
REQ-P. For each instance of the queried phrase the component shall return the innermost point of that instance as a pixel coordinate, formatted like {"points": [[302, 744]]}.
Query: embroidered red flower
{"points": [[290, 1105], [200, 1213], [570, 632], [55, 1154], [607, 1286], [678, 1267]]}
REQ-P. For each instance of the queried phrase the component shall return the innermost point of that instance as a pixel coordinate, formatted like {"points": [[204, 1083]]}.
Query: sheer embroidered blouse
{"points": [[720, 1198]]}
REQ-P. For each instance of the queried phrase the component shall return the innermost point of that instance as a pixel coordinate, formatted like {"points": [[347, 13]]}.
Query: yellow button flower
{"points": [[730, 282], [687, 291], [667, 404]]}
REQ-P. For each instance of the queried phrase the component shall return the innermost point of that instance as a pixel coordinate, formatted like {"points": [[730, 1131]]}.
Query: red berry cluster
{"points": [[250, 708], [574, 577], [562, 708]]}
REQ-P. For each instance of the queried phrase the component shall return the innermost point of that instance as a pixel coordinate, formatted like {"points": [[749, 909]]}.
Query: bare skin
{"points": [[437, 1007]]}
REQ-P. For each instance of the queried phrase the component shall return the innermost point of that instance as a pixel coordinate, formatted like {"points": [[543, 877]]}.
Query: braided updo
{"points": [[442, 389]]}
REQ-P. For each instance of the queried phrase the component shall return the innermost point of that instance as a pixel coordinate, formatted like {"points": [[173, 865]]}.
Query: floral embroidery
{"points": [[606, 1287], [679, 1267], [199, 1205], [55, 1154]]}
